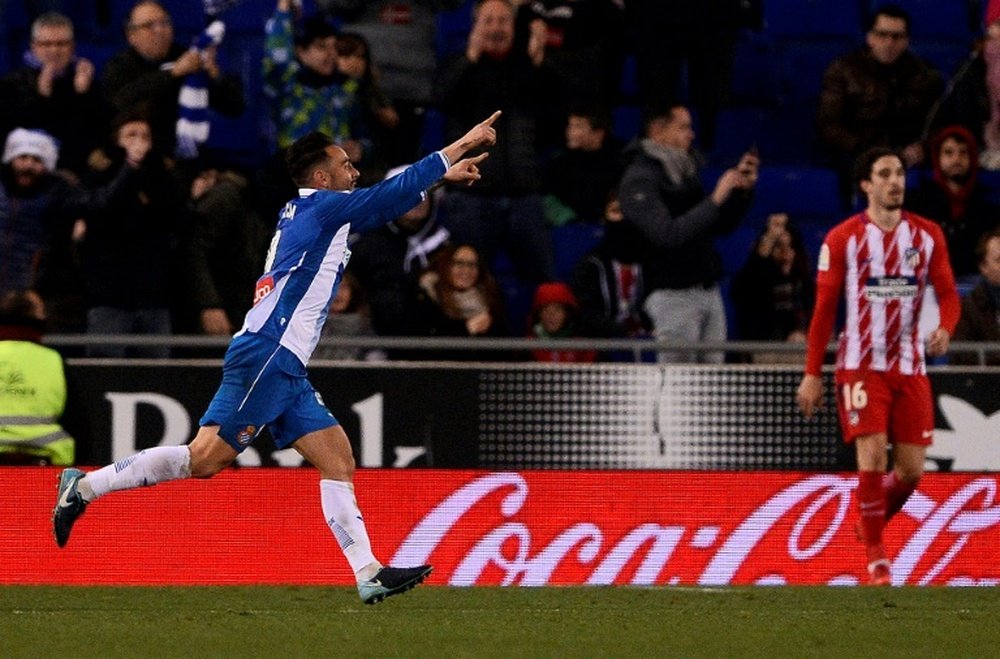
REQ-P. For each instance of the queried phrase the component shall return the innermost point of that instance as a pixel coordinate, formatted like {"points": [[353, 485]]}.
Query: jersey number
{"points": [[855, 396]]}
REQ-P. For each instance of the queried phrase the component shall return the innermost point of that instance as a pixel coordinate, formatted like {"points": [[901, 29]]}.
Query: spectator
{"points": [[878, 95], [149, 74], [348, 316], [579, 180], [954, 198], [696, 35], [373, 119], [38, 212], [131, 246], [458, 297], [554, 312], [505, 209], [388, 262], [608, 282], [773, 292], [302, 82], [223, 250], [303, 88], [30, 432], [980, 319], [55, 91], [663, 199], [405, 56], [585, 43]]}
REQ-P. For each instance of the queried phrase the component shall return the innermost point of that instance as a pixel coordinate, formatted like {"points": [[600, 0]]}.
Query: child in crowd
{"points": [[553, 316]]}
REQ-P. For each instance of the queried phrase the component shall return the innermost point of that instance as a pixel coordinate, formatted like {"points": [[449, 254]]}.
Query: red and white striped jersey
{"points": [[883, 276]]}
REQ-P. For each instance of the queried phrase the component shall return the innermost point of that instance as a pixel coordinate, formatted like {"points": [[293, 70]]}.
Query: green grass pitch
{"points": [[433, 621]]}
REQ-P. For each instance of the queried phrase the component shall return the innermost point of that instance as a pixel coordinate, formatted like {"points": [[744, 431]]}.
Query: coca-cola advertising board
{"points": [[531, 528]]}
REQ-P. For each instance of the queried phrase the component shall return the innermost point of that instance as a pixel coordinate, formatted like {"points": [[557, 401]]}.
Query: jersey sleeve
{"points": [[830, 272], [943, 280], [372, 207]]}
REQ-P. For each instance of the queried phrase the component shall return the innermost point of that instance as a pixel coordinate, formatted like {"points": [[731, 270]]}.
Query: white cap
{"points": [[38, 143]]}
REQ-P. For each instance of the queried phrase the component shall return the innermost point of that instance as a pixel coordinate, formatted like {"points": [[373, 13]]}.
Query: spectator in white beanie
{"points": [[22, 142]]}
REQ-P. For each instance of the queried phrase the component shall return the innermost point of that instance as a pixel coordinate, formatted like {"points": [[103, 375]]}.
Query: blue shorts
{"points": [[264, 384]]}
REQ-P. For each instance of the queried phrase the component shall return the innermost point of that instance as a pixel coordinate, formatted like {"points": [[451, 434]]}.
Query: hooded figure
{"points": [[953, 197], [553, 315]]}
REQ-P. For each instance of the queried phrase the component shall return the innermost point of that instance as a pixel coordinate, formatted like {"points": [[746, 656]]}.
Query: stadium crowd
{"points": [[139, 185]]}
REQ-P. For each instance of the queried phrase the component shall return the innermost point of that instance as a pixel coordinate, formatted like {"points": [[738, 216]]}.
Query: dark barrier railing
{"points": [[427, 346]]}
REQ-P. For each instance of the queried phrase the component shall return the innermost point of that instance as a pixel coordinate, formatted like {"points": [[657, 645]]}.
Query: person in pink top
{"points": [[881, 260]]}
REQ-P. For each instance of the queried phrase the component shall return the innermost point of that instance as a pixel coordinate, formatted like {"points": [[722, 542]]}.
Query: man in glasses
{"points": [[54, 91], [148, 75], [878, 95]]}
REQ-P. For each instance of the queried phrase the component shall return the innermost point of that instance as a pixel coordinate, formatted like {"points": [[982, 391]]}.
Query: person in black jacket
{"points": [[980, 319], [388, 262], [773, 292], [55, 91], [148, 75], [505, 210], [608, 281], [662, 197], [130, 249]]}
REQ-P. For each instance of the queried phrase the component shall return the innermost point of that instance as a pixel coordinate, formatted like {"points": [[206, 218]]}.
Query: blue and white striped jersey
{"points": [[308, 252]]}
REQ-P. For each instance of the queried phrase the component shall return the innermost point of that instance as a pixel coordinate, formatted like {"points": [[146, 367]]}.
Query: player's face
{"points": [[888, 39], [53, 46], [887, 184], [990, 265], [954, 160], [338, 170]]}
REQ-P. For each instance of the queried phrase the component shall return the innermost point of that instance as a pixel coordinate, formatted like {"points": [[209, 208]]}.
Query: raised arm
{"points": [[482, 134]]}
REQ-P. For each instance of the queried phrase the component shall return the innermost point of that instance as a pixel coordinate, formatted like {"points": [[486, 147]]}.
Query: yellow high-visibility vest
{"points": [[32, 398]]}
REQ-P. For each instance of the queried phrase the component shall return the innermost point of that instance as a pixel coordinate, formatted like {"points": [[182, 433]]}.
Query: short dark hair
{"points": [[889, 11], [597, 116], [983, 243], [660, 112], [51, 19], [863, 165], [307, 152], [312, 29]]}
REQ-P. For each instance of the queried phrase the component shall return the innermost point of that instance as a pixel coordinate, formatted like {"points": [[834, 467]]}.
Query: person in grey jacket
{"points": [[661, 195]]}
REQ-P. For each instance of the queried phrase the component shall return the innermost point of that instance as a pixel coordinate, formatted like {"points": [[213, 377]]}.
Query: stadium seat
{"points": [[756, 72], [626, 122], [959, 20], [571, 242], [797, 19], [453, 30], [802, 192], [945, 56], [803, 62]]}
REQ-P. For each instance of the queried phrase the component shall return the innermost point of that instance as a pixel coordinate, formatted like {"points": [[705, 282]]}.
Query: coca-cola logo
{"points": [[801, 534]]}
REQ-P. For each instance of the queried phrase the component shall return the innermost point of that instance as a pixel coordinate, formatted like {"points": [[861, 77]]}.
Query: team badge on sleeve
{"points": [[824, 258]]}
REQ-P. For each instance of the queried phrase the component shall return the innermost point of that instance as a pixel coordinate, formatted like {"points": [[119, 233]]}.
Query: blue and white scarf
{"points": [[192, 118]]}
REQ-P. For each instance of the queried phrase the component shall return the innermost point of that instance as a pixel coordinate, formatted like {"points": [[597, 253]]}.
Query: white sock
{"points": [[148, 467], [340, 508]]}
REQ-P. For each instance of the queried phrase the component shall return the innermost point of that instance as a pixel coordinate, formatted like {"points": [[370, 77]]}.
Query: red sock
{"points": [[871, 505], [896, 494]]}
